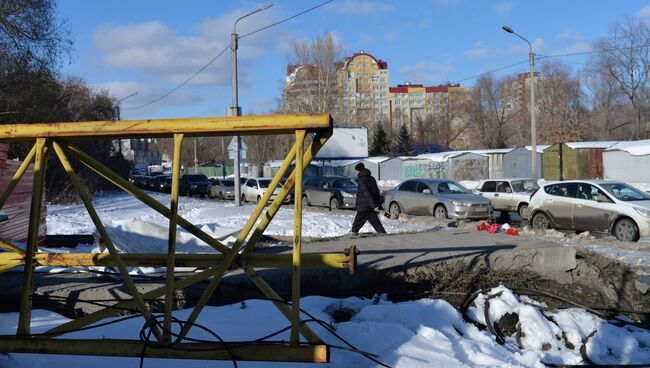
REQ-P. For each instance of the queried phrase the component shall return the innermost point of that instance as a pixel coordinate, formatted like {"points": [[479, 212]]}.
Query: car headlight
{"points": [[346, 195], [642, 211], [460, 203]]}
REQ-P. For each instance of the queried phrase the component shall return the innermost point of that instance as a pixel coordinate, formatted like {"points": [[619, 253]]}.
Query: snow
{"points": [[377, 159], [598, 144], [634, 148], [412, 334], [538, 147], [134, 227]]}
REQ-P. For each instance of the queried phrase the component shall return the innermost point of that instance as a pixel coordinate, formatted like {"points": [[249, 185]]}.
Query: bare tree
{"points": [[624, 56], [31, 32], [312, 81], [492, 109], [562, 116]]}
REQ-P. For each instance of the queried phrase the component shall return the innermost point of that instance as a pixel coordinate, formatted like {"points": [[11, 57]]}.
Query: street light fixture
{"points": [[235, 110], [533, 124]]}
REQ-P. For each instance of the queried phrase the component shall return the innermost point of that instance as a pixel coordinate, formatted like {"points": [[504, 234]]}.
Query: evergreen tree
{"points": [[380, 146], [404, 141]]}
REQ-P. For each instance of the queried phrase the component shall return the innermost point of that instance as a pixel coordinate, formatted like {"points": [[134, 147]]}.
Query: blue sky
{"points": [[149, 47]]}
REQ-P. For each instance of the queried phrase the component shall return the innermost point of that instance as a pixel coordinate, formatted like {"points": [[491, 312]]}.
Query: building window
{"points": [[358, 74]]}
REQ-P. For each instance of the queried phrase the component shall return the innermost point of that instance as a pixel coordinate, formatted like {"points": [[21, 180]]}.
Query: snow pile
{"points": [[421, 333], [634, 148], [556, 337], [388, 184], [134, 227]]}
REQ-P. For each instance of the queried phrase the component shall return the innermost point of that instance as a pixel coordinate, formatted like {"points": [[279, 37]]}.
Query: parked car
{"points": [[592, 205], [157, 183], [329, 191], [438, 197], [254, 188], [138, 180], [167, 185], [194, 184], [222, 188], [508, 195]]}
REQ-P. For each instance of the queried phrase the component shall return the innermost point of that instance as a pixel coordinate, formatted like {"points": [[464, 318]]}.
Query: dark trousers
{"points": [[370, 216]]}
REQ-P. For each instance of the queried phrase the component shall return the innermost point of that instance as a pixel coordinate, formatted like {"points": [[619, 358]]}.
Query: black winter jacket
{"points": [[368, 196]]}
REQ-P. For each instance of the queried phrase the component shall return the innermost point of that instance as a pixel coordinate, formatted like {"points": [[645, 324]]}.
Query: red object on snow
{"points": [[513, 232], [493, 228], [481, 227]]}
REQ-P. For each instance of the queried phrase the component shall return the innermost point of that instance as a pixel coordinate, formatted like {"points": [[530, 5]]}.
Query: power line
{"points": [[221, 53], [286, 19], [490, 71], [180, 85]]}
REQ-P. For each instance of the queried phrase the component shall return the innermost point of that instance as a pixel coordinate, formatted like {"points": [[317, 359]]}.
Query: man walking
{"points": [[368, 201]]}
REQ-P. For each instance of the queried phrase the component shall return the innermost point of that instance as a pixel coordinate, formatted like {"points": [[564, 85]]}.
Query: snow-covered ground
{"points": [[421, 333], [134, 227]]}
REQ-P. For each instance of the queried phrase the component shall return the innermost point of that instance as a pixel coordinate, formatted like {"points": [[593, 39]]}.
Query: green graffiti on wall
{"points": [[433, 170]]}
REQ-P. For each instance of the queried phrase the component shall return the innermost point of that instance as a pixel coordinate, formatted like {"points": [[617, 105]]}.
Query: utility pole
{"points": [[533, 123], [235, 110]]}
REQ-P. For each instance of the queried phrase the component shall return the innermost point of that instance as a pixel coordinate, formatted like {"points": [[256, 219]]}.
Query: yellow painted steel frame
{"points": [[212, 266]]}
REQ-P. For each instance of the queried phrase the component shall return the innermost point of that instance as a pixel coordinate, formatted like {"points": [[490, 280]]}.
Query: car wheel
{"points": [[210, 196], [523, 210], [540, 221], [395, 210], [334, 204], [258, 199], [243, 198], [440, 212], [626, 230], [305, 200]]}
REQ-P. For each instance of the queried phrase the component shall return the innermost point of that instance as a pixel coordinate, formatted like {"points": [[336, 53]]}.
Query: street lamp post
{"points": [[235, 110], [533, 123]]}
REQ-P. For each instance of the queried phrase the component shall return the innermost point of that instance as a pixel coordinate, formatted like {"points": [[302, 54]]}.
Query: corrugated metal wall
{"points": [[562, 162], [17, 207], [468, 166], [517, 164], [620, 165]]}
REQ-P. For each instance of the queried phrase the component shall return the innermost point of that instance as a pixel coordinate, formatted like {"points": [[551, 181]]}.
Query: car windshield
{"points": [[624, 192], [527, 186], [197, 177], [449, 187], [228, 183], [342, 183], [264, 183]]}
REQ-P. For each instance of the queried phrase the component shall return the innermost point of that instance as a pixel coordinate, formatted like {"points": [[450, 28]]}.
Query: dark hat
{"points": [[360, 166]]}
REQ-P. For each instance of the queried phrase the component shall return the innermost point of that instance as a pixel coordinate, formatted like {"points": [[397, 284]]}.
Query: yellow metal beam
{"points": [[257, 260], [128, 187], [318, 142], [192, 127], [244, 351], [297, 240], [234, 251], [24, 319], [8, 246], [85, 198], [171, 248], [268, 292], [19, 174]]}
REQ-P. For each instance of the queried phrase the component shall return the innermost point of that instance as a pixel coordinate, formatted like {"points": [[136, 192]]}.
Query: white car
{"points": [[592, 205], [508, 195], [254, 188]]}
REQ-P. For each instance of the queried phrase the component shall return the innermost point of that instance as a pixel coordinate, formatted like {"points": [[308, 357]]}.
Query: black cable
{"points": [[180, 85], [286, 19], [219, 55]]}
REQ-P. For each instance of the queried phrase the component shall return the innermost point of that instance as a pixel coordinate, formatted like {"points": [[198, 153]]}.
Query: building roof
{"points": [[445, 156], [404, 88], [380, 63], [377, 159], [540, 147], [634, 148], [599, 144]]}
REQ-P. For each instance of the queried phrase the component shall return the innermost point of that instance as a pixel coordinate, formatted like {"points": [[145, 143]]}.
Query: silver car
{"points": [[438, 197], [509, 195], [592, 205], [222, 188]]}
